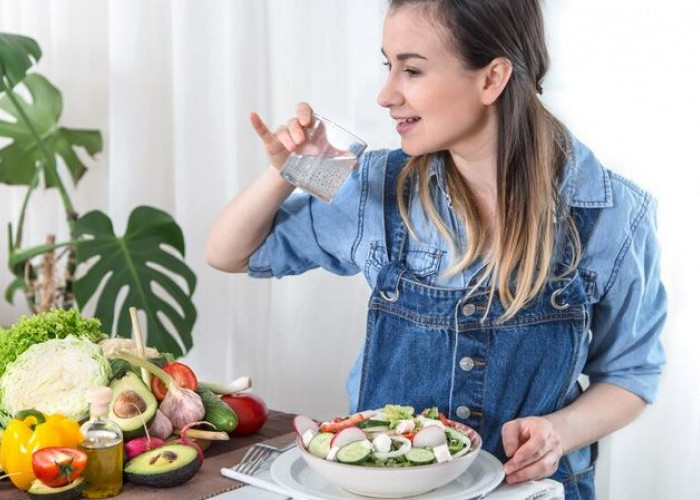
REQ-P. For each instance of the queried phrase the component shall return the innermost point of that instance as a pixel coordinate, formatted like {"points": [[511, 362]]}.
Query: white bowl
{"points": [[389, 482]]}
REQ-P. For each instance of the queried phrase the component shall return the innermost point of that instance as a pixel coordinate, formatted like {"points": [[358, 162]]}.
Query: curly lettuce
{"points": [[394, 413], [54, 377], [54, 324]]}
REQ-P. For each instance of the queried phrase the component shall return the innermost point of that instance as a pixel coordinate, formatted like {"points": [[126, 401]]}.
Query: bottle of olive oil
{"points": [[104, 444]]}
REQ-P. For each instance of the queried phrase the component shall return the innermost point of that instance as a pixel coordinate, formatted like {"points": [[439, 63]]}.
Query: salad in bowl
{"points": [[390, 452]]}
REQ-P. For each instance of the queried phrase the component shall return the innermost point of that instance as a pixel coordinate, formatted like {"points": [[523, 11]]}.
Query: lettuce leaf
{"points": [[54, 324], [394, 413]]}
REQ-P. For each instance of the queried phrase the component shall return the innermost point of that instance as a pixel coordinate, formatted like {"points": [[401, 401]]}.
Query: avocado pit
{"points": [[129, 404]]}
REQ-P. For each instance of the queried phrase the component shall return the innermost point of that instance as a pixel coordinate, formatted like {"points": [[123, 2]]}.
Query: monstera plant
{"points": [[147, 259]]}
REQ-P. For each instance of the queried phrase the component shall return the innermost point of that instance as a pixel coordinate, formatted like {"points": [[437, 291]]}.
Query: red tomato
{"points": [[251, 411], [56, 467], [181, 373], [339, 424]]}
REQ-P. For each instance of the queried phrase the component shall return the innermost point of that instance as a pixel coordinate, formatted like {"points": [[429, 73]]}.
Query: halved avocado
{"points": [[39, 491], [132, 405], [164, 467]]}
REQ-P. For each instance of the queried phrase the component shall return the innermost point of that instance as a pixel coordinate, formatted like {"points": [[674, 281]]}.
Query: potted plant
{"points": [[159, 281]]}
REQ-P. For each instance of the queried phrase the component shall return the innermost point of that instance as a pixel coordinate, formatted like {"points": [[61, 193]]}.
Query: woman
{"points": [[504, 259]]}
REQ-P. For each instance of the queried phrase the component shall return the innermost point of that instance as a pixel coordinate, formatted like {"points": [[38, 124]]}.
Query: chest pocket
{"points": [[422, 261]]}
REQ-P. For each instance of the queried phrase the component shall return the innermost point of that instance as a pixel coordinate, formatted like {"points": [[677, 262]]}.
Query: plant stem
{"points": [[50, 158], [20, 222]]}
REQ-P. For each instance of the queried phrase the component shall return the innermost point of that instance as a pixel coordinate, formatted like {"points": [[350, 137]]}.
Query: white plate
{"points": [[291, 472]]}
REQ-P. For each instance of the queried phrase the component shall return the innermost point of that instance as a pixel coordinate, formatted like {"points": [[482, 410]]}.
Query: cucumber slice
{"points": [[320, 444], [420, 456], [376, 429], [368, 424], [354, 453]]}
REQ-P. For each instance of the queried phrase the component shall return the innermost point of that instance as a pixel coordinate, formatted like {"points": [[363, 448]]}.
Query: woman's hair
{"points": [[531, 153]]}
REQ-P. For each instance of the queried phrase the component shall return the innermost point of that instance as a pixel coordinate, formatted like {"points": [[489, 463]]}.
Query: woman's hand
{"points": [[287, 138], [534, 448]]}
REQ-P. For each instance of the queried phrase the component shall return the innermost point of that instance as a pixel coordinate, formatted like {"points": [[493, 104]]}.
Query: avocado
{"points": [[132, 405], [72, 491], [164, 467]]}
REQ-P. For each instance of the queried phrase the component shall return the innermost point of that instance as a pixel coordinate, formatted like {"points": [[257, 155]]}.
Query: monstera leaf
{"points": [[139, 262], [16, 54], [21, 160]]}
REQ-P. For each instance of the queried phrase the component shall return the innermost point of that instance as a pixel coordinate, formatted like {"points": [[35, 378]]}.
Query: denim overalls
{"points": [[430, 346]]}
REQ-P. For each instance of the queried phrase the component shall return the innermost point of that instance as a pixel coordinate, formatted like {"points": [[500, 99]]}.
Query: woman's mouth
{"points": [[406, 124]]}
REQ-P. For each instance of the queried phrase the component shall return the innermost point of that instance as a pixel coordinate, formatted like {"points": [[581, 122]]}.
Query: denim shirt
{"points": [[621, 258]]}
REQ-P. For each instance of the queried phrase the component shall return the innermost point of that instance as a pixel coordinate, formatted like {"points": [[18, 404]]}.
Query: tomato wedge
{"points": [[56, 467], [338, 424], [181, 374]]}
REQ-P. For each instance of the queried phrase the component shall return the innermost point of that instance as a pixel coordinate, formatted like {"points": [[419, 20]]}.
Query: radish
{"points": [[346, 436], [305, 428], [429, 437], [403, 449], [142, 444], [426, 422], [184, 440]]}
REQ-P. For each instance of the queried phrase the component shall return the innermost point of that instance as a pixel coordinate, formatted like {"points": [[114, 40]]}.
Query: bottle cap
{"points": [[100, 396], [99, 399]]}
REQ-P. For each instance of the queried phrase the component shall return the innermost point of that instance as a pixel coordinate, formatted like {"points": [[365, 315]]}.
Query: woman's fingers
{"points": [[510, 435], [261, 129], [285, 138], [304, 114], [533, 446], [296, 131], [542, 468]]}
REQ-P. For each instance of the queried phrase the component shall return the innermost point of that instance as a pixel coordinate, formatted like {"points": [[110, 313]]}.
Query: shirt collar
{"points": [[585, 183]]}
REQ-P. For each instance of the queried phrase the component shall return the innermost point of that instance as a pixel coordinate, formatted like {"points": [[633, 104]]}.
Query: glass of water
{"points": [[325, 160]]}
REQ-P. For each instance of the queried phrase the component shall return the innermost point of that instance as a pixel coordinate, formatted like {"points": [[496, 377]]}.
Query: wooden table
{"points": [[208, 482]]}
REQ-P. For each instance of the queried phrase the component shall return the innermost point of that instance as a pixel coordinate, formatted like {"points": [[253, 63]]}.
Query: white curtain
{"points": [[170, 85]]}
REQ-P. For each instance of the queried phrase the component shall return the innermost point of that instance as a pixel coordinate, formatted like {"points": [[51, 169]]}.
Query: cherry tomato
{"points": [[56, 467], [181, 373], [251, 411]]}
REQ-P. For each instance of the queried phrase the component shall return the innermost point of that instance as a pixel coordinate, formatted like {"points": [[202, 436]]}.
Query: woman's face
{"points": [[429, 92]]}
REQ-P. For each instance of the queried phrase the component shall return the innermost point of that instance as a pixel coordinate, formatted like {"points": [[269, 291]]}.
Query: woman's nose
{"points": [[389, 96]]}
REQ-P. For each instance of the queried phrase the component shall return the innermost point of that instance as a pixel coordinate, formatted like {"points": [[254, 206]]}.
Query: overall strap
{"points": [[395, 230], [396, 233]]}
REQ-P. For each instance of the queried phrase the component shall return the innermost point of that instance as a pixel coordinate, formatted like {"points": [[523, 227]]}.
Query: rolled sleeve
{"points": [[625, 348], [308, 234]]}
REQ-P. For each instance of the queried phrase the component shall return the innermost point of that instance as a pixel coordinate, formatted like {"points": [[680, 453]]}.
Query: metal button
{"points": [[463, 412], [468, 309], [466, 363], [389, 296]]}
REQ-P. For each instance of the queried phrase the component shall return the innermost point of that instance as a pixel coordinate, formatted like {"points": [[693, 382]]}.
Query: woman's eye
{"points": [[411, 72], [387, 64]]}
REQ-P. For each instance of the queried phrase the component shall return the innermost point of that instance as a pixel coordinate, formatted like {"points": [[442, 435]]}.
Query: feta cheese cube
{"points": [[381, 443], [442, 453]]}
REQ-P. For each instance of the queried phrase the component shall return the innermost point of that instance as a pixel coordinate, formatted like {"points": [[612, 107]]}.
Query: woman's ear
{"points": [[494, 79]]}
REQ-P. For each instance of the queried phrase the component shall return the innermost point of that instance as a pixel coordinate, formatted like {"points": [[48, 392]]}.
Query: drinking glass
{"points": [[321, 165]]}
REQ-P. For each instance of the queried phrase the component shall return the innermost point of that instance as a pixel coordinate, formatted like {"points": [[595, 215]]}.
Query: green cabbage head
{"points": [[53, 377]]}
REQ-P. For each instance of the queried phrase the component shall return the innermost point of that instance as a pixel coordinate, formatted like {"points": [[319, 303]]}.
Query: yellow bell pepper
{"points": [[31, 431]]}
